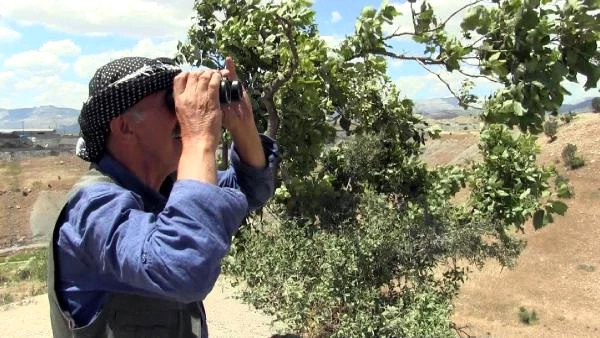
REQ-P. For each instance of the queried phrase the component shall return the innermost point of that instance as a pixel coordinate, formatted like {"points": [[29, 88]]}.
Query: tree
{"points": [[550, 129], [596, 104], [570, 159], [362, 238]]}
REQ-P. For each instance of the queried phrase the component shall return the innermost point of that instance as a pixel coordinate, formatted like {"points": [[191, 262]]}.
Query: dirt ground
{"points": [[558, 275], [20, 186], [226, 316]]}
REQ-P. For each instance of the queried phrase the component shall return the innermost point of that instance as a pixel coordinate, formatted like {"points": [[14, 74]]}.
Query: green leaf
{"points": [[530, 19], [559, 207], [389, 12], [494, 56], [518, 108], [368, 12], [538, 219], [525, 194], [471, 20], [502, 193]]}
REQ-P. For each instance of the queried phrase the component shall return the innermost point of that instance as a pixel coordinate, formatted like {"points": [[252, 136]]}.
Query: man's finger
{"points": [[230, 66], [225, 73], [214, 84], [204, 80], [179, 82]]}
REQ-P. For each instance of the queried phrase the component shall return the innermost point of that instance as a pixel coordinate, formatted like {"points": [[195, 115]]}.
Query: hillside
{"points": [[558, 275], [448, 108], [60, 118], [65, 119]]}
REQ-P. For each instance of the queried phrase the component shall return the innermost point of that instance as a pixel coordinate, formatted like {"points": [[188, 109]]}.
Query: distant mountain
{"points": [[583, 106], [64, 120], [442, 108], [447, 108]]}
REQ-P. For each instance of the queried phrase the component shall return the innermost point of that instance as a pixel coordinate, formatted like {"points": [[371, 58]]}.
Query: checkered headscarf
{"points": [[115, 88]]}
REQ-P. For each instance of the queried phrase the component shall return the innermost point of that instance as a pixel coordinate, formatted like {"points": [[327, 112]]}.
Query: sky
{"points": [[49, 49]]}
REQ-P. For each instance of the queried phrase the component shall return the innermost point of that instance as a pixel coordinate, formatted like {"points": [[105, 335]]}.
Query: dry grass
{"points": [[558, 274], [22, 275]]}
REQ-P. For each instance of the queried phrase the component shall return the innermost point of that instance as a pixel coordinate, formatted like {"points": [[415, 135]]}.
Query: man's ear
{"points": [[122, 128]]}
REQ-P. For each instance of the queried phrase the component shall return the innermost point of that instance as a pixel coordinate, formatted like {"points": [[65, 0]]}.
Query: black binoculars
{"points": [[229, 91]]}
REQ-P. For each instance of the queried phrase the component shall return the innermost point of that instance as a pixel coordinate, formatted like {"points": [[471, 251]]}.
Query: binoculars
{"points": [[230, 91]]}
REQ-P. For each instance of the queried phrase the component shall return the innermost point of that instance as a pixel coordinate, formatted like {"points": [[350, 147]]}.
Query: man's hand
{"points": [[196, 96], [239, 120], [236, 115], [198, 110]]}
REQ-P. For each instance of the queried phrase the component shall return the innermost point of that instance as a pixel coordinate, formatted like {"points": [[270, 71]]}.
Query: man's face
{"points": [[157, 131]]}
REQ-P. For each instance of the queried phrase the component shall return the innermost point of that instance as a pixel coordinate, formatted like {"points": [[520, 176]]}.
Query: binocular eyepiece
{"points": [[230, 91]]}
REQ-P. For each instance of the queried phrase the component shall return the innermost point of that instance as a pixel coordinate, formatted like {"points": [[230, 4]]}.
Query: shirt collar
{"points": [[128, 180]]}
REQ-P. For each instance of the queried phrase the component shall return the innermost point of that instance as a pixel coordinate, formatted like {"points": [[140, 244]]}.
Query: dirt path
{"points": [[227, 317]]}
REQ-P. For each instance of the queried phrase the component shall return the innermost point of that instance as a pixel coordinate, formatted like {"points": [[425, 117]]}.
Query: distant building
{"points": [[37, 133], [16, 138]]}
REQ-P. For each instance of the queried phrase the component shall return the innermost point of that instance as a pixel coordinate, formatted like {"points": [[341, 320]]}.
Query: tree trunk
{"points": [[273, 118], [273, 130]]}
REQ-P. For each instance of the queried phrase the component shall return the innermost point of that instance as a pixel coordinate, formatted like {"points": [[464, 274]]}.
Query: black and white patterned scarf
{"points": [[114, 88]]}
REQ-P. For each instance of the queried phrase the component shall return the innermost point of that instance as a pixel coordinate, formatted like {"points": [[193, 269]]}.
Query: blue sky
{"points": [[49, 49]]}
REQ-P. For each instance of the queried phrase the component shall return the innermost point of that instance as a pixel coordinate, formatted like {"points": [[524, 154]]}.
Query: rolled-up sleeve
{"points": [[257, 184], [175, 254]]}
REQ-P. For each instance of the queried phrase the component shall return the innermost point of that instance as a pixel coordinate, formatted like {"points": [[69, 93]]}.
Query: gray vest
{"points": [[123, 315]]}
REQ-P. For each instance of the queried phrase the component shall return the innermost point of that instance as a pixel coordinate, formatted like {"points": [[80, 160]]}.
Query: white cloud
{"points": [[36, 82], [72, 94], [61, 48], [394, 63], [7, 34], [136, 18], [36, 62], [333, 41], [5, 78], [429, 86], [44, 90], [336, 16], [578, 92], [87, 65]]}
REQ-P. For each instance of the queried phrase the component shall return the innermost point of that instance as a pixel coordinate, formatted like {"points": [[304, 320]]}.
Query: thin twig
{"points": [[478, 40], [460, 330], [479, 75], [414, 20], [458, 11], [438, 27], [424, 59], [447, 85]]}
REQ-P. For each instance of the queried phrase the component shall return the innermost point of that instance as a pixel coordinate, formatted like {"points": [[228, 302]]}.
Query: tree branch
{"points": [[414, 20], [447, 85], [460, 330], [278, 82], [479, 75], [423, 59], [438, 27], [458, 11], [269, 93]]}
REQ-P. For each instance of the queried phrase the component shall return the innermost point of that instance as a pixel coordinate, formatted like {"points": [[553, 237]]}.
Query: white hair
{"points": [[136, 115]]}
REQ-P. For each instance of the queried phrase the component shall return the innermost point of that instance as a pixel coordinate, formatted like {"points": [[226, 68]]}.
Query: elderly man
{"points": [[139, 242]]}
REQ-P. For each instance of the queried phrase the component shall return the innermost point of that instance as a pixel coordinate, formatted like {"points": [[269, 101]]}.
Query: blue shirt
{"points": [[128, 238]]}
